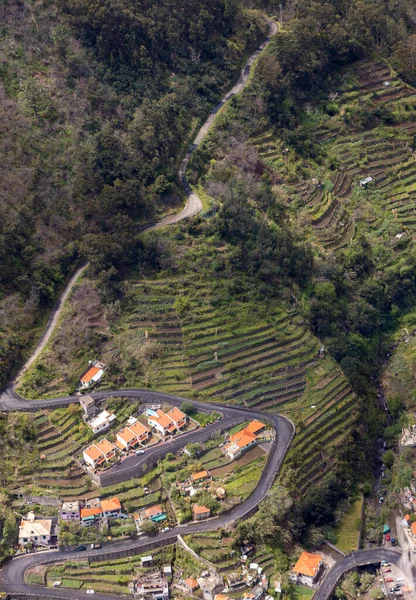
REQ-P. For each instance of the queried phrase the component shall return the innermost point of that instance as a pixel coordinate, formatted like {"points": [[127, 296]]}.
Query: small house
{"points": [[307, 569], [39, 531], [89, 516], [364, 182], [97, 454], [200, 512], [256, 593], [154, 513], [93, 374], [89, 406], [133, 435], [146, 561], [211, 586], [161, 422], [151, 587], [178, 417], [192, 584], [111, 508], [200, 476], [101, 422], [70, 511]]}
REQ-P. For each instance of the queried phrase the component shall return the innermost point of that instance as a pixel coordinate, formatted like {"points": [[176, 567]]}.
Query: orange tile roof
{"points": [[192, 583], [254, 427], [407, 517], [308, 564], [242, 438], [89, 512], [105, 446], [162, 419], [414, 528], [199, 510], [153, 510], [126, 434], [119, 445], [90, 374], [221, 597], [139, 429], [111, 504], [93, 452], [199, 475], [176, 414]]}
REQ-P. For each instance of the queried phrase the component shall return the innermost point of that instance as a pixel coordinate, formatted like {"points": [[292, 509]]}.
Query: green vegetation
{"points": [[347, 533], [94, 137]]}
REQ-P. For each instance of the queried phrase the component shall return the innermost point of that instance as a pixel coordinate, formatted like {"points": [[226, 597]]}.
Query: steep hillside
{"points": [[91, 138]]}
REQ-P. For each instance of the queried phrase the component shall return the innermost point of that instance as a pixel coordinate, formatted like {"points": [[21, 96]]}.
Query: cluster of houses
{"points": [[133, 435], [196, 482], [243, 440], [92, 512]]}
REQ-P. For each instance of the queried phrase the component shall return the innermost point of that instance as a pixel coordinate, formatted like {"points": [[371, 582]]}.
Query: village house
{"points": [[178, 417], [70, 511], [200, 476], [151, 587], [89, 406], [101, 422], [243, 440], [39, 531], [89, 516], [154, 513], [191, 584], [93, 374], [97, 454], [307, 569], [413, 529], [200, 512], [210, 586], [221, 597], [167, 423], [131, 436], [146, 561], [111, 508], [256, 593]]}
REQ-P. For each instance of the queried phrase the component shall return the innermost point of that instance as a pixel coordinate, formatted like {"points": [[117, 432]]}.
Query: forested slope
{"points": [[99, 100]]}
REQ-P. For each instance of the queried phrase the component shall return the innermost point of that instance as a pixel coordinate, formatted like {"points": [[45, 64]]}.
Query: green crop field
{"points": [[347, 532]]}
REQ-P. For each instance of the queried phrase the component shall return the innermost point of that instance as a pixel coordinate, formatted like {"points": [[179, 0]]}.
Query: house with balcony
{"points": [[161, 422], [178, 417], [98, 454], [133, 435], [111, 508], [243, 440], [91, 515]]}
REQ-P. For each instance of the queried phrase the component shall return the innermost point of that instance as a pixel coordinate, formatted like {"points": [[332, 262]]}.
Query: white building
{"points": [[38, 532], [102, 421]]}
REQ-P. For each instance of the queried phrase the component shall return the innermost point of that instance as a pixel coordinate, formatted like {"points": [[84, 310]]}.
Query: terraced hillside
{"points": [[370, 134], [60, 434]]}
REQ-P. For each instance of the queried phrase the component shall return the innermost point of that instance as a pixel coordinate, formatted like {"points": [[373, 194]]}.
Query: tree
{"points": [[388, 459], [148, 527], [188, 408]]}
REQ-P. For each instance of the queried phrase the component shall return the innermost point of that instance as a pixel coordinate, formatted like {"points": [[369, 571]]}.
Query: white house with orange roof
{"points": [[111, 507], [200, 512], [97, 454], [307, 569], [161, 422], [132, 435], [178, 417], [243, 440], [93, 374]]}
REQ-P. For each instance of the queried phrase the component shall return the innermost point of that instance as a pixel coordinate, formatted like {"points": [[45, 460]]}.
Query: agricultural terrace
{"points": [[183, 333], [365, 129], [107, 577], [216, 549], [61, 434]]}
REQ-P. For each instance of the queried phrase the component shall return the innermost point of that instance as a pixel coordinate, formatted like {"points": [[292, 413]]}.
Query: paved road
{"points": [[356, 559]]}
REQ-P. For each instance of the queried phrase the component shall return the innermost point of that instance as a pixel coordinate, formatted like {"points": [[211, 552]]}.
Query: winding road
{"points": [[12, 574]]}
